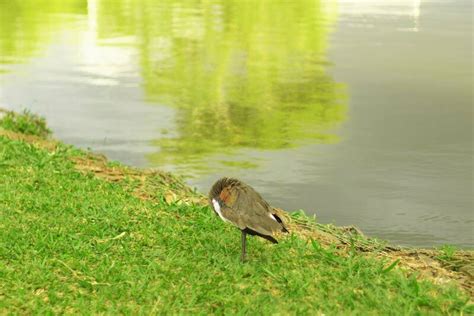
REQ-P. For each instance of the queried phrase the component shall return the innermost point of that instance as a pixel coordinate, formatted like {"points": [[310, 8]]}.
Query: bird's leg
{"points": [[244, 242]]}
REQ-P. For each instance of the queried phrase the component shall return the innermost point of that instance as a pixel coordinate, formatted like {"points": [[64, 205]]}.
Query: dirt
{"points": [[429, 265]]}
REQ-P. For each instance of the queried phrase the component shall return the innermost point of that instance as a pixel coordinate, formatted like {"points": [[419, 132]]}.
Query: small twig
{"points": [[100, 241], [76, 275], [80, 276]]}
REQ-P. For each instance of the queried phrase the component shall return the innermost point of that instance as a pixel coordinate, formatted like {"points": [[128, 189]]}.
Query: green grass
{"points": [[71, 242], [25, 123], [447, 252]]}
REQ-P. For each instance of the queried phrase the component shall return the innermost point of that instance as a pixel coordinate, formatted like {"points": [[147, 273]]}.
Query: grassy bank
{"points": [[80, 234]]}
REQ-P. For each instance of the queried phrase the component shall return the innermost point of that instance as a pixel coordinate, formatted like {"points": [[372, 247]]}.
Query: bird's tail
{"points": [[278, 219]]}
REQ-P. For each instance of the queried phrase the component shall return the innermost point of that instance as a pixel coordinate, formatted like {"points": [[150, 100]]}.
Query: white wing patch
{"points": [[272, 217], [217, 208]]}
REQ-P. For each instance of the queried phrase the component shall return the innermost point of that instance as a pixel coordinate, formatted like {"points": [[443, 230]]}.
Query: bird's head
{"points": [[223, 191]]}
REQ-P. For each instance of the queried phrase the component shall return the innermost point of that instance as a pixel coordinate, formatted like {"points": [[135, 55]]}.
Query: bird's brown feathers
{"points": [[244, 207]]}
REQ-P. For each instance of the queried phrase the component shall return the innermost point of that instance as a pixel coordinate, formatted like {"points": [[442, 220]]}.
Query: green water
{"points": [[239, 74], [331, 106]]}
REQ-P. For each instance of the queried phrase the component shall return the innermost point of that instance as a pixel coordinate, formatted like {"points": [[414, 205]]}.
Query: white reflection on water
{"points": [[385, 7], [370, 8], [103, 63]]}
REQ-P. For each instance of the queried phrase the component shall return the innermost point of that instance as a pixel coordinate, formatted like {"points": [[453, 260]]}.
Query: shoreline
{"points": [[440, 266]]}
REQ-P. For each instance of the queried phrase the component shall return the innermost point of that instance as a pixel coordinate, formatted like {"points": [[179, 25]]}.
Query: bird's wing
{"points": [[249, 210], [242, 198], [232, 216]]}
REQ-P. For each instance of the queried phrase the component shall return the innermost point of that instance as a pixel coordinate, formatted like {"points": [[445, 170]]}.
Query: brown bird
{"points": [[239, 204]]}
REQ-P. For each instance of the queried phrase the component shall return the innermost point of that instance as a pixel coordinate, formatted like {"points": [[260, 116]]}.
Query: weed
{"points": [[25, 123], [447, 252]]}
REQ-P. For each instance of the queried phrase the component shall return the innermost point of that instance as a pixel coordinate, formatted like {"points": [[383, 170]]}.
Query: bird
{"points": [[240, 205]]}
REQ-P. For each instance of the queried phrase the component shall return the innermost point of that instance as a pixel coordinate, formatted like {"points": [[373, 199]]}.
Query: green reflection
{"points": [[27, 26], [241, 74]]}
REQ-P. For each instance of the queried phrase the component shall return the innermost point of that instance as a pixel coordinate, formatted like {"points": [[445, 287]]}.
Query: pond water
{"points": [[358, 111]]}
